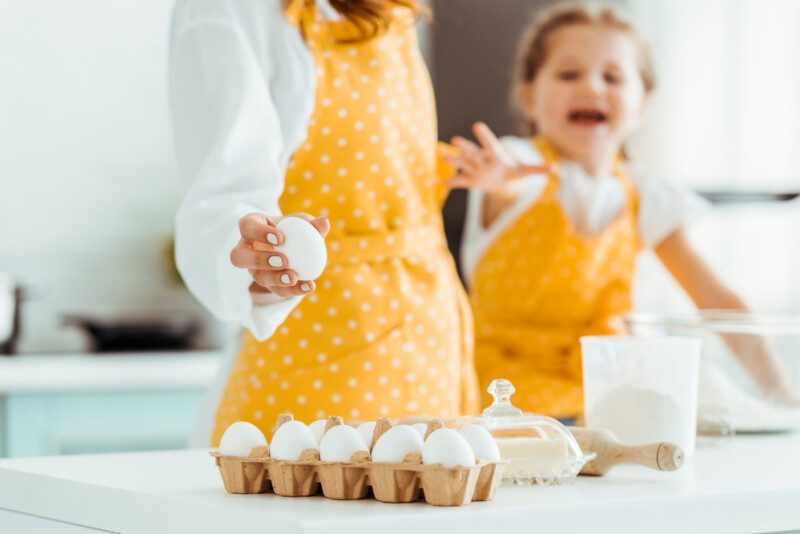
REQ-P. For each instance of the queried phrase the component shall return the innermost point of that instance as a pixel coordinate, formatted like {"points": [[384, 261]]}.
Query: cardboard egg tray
{"points": [[390, 482]]}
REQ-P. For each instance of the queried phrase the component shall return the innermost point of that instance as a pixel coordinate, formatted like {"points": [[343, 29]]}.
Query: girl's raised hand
{"points": [[487, 166], [256, 253], [784, 396]]}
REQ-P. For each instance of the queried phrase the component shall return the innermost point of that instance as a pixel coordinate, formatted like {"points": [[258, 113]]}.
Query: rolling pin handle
{"points": [[669, 457]]}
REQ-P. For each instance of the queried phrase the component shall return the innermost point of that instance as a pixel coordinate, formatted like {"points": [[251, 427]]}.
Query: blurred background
{"points": [[104, 335]]}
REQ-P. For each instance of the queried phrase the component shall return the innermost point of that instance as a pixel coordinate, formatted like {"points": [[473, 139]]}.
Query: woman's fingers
{"points": [[260, 228], [272, 279], [261, 232], [245, 257], [322, 224], [302, 287], [256, 253]]}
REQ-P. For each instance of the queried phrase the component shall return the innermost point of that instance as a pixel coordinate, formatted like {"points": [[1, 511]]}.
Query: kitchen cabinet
{"points": [[78, 423], [87, 403]]}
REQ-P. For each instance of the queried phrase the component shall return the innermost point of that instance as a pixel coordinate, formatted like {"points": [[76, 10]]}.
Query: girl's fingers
{"points": [[274, 279], [544, 168], [258, 227], [475, 155], [488, 140], [466, 147], [462, 165], [459, 183], [245, 257], [526, 170]]}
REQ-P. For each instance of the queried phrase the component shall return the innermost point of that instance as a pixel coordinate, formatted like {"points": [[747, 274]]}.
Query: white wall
{"points": [[726, 116], [726, 112], [754, 248], [88, 185]]}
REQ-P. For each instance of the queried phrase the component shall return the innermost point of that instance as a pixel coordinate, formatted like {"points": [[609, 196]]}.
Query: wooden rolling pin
{"points": [[611, 452]]}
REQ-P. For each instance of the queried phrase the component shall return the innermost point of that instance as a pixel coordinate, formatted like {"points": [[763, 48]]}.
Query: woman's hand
{"points": [[256, 253], [489, 166]]}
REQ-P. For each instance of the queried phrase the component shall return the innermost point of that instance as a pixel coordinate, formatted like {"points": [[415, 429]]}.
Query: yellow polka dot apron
{"points": [[539, 287], [388, 331]]}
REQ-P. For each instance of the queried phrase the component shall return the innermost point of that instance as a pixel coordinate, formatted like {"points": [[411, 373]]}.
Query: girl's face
{"points": [[588, 96]]}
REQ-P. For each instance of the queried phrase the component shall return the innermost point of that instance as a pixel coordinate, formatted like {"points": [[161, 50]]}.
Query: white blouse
{"points": [[591, 202], [242, 84]]}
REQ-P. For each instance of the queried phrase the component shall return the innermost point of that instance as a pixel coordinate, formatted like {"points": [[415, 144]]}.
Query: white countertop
{"points": [[108, 372], [750, 484]]}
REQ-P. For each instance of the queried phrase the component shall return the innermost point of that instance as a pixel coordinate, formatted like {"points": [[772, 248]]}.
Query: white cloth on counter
{"points": [[242, 84], [592, 203]]}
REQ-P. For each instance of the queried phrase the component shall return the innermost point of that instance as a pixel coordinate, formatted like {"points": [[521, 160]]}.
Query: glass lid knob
{"points": [[501, 390]]}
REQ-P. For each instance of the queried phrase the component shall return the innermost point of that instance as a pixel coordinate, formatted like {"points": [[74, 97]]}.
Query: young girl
{"points": [[322, 107], [550, 257]]}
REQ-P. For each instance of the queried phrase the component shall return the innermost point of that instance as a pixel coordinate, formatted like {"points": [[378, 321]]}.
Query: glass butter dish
{"points": [[540, 449]]}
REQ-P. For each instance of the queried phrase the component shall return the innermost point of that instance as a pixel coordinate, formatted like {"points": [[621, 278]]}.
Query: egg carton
{"points": [[402, 482]]}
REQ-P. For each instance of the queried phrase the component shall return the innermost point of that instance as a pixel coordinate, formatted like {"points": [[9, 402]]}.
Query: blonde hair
{"points": [[371, 17], [533, 48]]}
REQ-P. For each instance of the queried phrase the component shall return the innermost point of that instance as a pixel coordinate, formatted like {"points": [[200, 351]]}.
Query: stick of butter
{"points": [[534, 456]]}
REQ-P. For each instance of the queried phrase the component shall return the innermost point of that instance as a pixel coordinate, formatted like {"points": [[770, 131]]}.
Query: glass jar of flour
{"points": [[643, 389]]}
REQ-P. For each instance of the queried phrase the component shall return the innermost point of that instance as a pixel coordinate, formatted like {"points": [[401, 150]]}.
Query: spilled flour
{"points": [[638, 415], [748, 413]]}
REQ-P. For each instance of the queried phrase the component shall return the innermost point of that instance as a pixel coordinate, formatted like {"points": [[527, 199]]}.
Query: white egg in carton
{"points": [[398, 463]]}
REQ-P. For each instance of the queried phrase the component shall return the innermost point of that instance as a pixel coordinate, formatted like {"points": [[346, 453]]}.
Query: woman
{"points": [[324, 108]]}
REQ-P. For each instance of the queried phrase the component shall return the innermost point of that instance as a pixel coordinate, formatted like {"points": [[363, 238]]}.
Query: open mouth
{"points": [[587, 117]]}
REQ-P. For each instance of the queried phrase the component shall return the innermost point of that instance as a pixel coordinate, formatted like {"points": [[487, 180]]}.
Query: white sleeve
{"points": [[228, 142], [665, 207]]}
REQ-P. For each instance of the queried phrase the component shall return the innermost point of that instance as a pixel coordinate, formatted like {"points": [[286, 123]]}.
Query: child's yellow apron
{"points": [[540, 287], [388, 331]]}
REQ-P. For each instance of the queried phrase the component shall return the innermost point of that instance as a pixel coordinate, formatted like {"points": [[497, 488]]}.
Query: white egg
{"points": [[339, 443], [240, 439], [483, 444], [318, 428], [421, 428], [291, 439], [366, 430], [395, 443], [303, 247], [447, 447]]}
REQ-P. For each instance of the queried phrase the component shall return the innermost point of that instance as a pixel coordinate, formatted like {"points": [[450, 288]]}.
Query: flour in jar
{"points": [[641, 415]]}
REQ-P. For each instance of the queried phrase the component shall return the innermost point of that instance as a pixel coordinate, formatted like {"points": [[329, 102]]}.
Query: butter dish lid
{"points": [[541, 450]]}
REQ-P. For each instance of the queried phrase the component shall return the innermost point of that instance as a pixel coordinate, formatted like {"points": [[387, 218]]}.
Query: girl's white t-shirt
{"points": [[591, 202]]}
